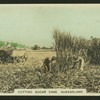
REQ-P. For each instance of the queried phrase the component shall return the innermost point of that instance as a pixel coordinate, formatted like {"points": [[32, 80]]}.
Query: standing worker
{"points": [[46, 64], [8, 45], [80, 61]]}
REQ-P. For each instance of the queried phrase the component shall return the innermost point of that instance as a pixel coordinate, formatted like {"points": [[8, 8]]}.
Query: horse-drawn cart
{"points": [[8, 56]]}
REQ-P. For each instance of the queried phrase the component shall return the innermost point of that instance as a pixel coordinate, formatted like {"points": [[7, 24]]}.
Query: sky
{"points": [[32, 24]]}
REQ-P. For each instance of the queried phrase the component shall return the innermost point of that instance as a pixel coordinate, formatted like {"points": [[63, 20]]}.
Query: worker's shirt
{"points": [[46, 62]]}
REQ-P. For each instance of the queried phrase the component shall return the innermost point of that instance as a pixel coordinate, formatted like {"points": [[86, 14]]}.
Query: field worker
{"points": [[46, 64], [8, 45], [53, 64], [80, 61]]}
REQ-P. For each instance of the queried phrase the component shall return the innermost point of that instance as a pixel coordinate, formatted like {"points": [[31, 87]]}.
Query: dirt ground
{"points": [[16, 75], [22, 75]]}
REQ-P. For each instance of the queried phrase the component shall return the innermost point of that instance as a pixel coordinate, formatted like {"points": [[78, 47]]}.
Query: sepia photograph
{"points": [[50, 49]]}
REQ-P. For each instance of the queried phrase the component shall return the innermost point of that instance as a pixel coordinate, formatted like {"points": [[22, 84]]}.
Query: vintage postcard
{"points": [[50, 49]]}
